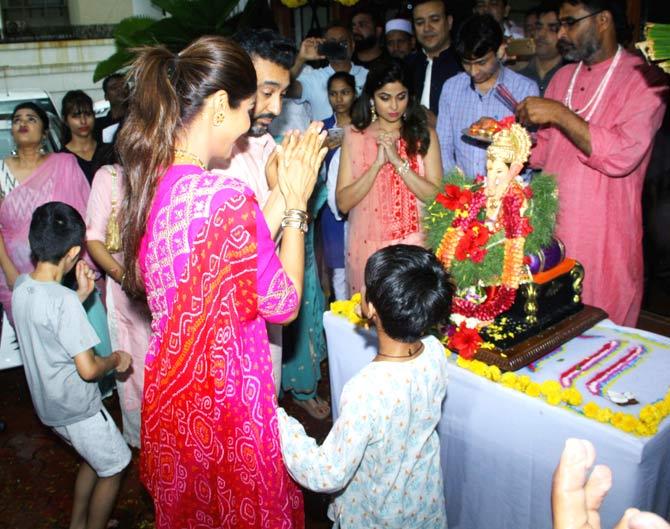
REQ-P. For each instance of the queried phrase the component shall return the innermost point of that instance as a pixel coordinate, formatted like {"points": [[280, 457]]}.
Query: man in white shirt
{"points": [[272, 56], [311, 84]]}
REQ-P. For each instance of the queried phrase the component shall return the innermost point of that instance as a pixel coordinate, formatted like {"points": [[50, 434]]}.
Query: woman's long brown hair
{"points": [[167, 92]]}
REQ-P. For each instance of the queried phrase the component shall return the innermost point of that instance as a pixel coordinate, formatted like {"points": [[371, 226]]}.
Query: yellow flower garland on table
{"points": [[348, 308], [645, 425]]}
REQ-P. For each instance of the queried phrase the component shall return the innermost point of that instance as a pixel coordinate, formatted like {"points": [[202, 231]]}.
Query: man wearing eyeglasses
{"points": [[597, 126], [547, 59]]}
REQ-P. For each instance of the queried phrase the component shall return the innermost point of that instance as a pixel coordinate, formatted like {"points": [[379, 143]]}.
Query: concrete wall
{"points": [[55, 66], [85, 12]]}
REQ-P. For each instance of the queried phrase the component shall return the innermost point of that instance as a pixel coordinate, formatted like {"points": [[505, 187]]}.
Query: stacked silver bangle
{"points": [[295, 218]]}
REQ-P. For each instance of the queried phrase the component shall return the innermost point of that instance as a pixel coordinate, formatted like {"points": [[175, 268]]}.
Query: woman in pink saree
{"points": [[27, 180], [198, 245], [389, 166]]}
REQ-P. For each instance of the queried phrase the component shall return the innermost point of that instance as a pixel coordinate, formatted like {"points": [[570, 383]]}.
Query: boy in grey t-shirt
{"points": [[56, 340]]}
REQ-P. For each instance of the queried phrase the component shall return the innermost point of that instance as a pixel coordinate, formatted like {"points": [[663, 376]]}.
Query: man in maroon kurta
{"points": [[598, 123]]}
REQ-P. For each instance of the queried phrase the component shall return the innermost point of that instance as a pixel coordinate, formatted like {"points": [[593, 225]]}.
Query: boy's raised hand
{"points": [[125, 360], [85, 280]]}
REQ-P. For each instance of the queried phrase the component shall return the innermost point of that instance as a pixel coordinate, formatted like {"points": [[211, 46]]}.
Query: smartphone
{"points": [[521, 47], [332, 50], [336, 133]]}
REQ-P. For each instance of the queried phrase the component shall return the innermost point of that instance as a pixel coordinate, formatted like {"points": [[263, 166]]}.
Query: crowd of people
{"points": [[238, 185]]}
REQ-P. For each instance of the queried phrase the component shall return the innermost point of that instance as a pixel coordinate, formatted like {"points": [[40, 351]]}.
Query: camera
{"points": [[333, 50]]}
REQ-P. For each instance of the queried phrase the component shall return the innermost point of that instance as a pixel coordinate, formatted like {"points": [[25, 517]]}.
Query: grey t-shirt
{"points": [[52, 329]]}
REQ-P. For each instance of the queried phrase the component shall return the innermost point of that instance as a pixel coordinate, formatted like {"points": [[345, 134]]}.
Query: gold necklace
{"points": [[185, 157], [409, 352]]}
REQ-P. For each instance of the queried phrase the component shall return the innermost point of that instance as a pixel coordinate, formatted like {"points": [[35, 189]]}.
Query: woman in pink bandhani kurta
{"points": [[389, 165], [198, 245], [128, 319], [600, 209]]}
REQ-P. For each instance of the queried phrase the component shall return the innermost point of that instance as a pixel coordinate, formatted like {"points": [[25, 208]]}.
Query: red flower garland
{"points": [[498, 300]]}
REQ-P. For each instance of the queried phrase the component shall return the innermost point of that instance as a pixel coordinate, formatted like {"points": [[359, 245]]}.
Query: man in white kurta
{"points": [[272, 56], [383, 450]]}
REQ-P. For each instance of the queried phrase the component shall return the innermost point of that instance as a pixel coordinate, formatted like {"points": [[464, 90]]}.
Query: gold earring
{"points": [[373, 111], [219, 118]]}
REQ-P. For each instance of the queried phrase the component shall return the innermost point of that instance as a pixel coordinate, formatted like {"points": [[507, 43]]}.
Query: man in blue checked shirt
{"points": [[472, 94]]}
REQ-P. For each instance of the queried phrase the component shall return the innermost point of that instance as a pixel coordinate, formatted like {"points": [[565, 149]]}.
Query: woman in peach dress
{"points": [[390, 166]]}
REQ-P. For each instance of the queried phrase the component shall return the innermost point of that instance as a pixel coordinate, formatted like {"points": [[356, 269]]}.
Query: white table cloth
{"points": [[499, 447]]}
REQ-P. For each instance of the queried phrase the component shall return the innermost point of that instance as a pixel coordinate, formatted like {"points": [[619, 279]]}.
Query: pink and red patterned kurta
{"points": [[210, 446], [600, 215]]}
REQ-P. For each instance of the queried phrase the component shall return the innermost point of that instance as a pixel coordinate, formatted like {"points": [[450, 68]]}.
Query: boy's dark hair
{"points": [[618, 10], [55, 228], [477, 36], [41, 114], [414, 130], [105, 82], [410, 290], [343, 76], [267, 44]]}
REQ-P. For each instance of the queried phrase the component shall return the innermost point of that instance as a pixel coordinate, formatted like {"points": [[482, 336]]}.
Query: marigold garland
{"points": [[644, 425], [551, 391]]}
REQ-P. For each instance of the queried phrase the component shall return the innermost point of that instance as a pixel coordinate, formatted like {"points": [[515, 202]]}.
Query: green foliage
{"points": [[188, 20], [542, 212]]}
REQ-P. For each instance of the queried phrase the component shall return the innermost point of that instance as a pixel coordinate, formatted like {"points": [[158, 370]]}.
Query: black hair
{"points": [[443, 2], [267, 44], [55, 228], [105, 82], [415, 129], [548, 6], [477, 36], [618, 10], [41, 113], [372, 13], [73, 101], [343, 76], [337, 24], [410, 290]]}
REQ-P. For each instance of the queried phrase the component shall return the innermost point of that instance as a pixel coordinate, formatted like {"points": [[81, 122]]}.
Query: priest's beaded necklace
{"points": [[598, 94]]}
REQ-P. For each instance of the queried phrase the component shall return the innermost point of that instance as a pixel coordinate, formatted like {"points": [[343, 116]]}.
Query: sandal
{"points": [[316, 407]]}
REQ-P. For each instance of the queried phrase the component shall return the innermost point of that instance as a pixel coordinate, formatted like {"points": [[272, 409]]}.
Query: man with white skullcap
{"points": [[399, 38]]}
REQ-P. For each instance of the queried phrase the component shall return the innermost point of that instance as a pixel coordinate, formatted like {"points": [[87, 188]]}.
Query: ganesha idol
{"points": [[495, 236]]}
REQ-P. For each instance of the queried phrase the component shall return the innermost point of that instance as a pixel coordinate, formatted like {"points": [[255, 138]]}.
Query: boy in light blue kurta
{"points": [[383, 450]]}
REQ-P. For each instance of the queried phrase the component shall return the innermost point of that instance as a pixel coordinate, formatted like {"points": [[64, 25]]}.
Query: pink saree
{"points": [[210, 448], [59, 178]]}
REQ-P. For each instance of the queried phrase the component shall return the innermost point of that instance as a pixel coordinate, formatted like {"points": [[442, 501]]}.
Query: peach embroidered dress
{"points": [[389, 214]]}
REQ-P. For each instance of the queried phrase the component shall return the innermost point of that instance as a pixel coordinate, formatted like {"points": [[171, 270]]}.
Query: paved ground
{"points": [[37, 470]]}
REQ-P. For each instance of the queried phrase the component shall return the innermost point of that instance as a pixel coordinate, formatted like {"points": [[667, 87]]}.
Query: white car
{"points": [[9, 100]]}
